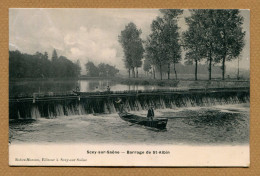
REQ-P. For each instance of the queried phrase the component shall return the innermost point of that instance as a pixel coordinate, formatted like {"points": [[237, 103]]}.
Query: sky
{"points": [[89, 34]]}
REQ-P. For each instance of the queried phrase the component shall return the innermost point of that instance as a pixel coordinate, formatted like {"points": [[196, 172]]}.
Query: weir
{"points": [[105, 102]]}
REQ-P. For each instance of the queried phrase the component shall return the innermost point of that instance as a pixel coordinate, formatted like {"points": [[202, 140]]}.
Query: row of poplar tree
{"points": [[214, 36]]}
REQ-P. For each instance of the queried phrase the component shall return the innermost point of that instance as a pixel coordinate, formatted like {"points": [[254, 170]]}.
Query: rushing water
{"points": [[223, 124], [217, 124]]}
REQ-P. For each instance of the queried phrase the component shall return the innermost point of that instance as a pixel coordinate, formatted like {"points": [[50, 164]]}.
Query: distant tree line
{"points": [[39, 65], [102, 70], [212, 37]]}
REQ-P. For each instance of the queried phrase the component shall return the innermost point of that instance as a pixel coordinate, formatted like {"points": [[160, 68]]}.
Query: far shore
{"points": [[124, 78], [180, 83]]}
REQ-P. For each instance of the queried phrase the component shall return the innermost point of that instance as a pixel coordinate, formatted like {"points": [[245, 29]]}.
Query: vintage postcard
{"points": [[129, 87]]}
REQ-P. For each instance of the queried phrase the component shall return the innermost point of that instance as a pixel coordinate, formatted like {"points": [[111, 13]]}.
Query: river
{"points": [[24, 88], [28, 87], [222, 124]]}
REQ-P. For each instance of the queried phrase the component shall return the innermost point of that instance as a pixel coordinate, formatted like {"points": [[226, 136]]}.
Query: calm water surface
{"points": [[23, 88], [225, 124]]}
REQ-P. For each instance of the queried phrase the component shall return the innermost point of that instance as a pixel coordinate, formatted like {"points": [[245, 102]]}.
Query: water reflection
{"points": [[27, 88], [101, 85]]}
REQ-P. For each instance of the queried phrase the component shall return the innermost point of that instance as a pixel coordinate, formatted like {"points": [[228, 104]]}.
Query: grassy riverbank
{"points": [[189, 83]]}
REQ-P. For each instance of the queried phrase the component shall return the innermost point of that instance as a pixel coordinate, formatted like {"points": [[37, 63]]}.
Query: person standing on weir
{"points": [[150, 113], [119, 102]]}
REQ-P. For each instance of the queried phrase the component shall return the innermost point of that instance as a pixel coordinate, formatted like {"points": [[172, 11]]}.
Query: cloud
{"points": [[92, 43], [84, 34], [76, 52]]}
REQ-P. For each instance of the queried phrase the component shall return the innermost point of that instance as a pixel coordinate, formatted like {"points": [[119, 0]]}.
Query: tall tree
{"points": [[78, 70], [171, 37], [54, 65], [151, 53], [155, 45], [208, 24], [193, 41], [205, 21], [54, 55], [132, 47], [229, 35], [163, 43], [46, 56], [138, 64], [147, 66], [219, 39], [171, 13]]}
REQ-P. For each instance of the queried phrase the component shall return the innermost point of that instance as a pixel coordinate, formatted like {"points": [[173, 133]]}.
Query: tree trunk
{"points": [[175, 71], [129, 72], [223, 68], [169, 65], [133, 72], [136, 72], [238, 69], [161, 71], [210, 62], [196, 69], [225, 53], [153, 73]]}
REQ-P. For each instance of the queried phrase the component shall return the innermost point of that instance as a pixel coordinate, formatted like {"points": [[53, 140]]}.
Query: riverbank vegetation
{"points": [[39, 65], [102, 70], [186, 83]]}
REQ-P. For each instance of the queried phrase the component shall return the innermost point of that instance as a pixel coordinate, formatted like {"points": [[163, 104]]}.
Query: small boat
{"points": [[159, 123]]}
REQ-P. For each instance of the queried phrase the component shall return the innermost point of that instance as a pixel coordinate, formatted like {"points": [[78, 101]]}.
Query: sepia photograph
{"points": [[129, 87]]}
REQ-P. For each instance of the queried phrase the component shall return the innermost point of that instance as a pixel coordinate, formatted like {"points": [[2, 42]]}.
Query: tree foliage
{"points": [[39, 66], [171, 13], [193, 41], [107, 70], [162, 45], [91, 69], [147, 65], [54, 56], [132, 47], [229, 36], [215, 35], [102, 70], [154, 45]]}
